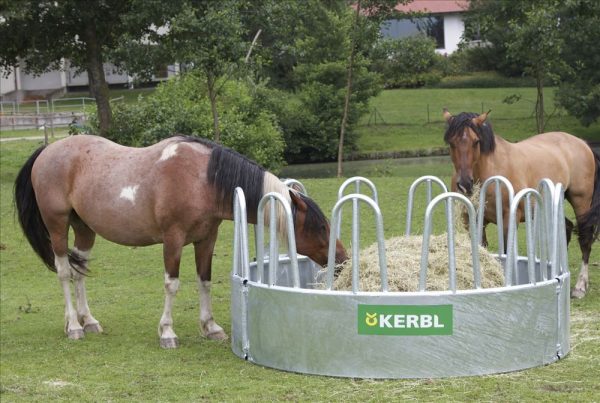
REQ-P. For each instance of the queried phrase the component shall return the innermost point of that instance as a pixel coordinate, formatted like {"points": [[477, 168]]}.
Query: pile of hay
{"points": [[403, 265]]}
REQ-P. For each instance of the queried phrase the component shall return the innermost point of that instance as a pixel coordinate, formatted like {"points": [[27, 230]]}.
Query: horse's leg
{"points": [[569, 229], [58, 228], [203, 252], [484, 241], [84, 240], [173, 244], [586, 239]]}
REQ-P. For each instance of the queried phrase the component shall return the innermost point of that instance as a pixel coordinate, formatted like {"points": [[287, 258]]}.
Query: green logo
{"points": [[405, 320]]}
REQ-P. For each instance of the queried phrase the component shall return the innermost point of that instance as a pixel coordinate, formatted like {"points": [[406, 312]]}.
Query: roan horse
{"points": [[175, 192], [478, 154]]}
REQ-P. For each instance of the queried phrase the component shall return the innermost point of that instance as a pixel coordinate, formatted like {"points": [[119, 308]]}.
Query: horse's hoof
{"points": [[219, 336], [577, 293], [92, 328], [75, 334], [171, 342]]}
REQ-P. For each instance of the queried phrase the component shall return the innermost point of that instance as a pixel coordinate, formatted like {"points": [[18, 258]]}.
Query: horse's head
{"points": [[469, 137], [311, 229]]}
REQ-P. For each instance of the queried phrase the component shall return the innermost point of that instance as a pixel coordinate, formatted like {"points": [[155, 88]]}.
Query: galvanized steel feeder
{"points": [[280, 321]]}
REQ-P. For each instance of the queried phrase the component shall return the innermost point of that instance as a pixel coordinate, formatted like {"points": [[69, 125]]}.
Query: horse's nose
{"points": [[465, 186], [340, 253]]}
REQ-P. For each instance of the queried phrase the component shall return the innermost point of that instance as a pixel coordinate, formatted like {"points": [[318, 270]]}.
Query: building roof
{"points": [[434, 6]]}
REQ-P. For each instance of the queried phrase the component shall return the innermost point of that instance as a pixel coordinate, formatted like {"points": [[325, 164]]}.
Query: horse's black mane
{"points": [[315, 218], [228, 169], [484, 132]]}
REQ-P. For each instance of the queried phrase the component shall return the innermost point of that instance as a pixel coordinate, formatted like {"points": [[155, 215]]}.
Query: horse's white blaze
{"points": [[169, 152], [128, 193]]}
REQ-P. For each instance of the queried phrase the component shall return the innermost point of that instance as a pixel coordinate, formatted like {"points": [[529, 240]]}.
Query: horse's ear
{"points": [[297, 200], [481, 118], [447, 115]]}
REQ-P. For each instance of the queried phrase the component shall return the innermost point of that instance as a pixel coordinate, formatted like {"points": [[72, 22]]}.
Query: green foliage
{"points": [[579, 91], [310, 117], [180, 106], [407, 62]]}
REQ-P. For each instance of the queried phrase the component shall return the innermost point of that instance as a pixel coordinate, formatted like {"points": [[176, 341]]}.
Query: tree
{"points": [[553, 41], [362, 30], [40, 35], [529, 34], [207, 35], [579, 89]]}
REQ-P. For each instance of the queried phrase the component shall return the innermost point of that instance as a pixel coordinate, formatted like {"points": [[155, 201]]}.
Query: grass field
{"points": [[403, 123], [125, 293]]}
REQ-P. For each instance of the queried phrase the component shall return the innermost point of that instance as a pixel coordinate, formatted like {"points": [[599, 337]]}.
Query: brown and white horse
{"points": [[478, 154], [175, 192]]}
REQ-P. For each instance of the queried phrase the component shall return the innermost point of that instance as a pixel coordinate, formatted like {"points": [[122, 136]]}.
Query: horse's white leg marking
{"points": [[208, 326], [582, 282], [63, 269], [168, 152], [128, 193], [168, 338], [84, 316]]}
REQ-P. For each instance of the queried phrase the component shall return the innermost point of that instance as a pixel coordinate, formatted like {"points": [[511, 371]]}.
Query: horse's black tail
{"points": [[29, 214], [590, 221]]}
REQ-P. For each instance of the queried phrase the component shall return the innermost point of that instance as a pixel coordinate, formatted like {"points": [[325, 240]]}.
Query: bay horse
{"points": [[477, 154], [175, 192]]}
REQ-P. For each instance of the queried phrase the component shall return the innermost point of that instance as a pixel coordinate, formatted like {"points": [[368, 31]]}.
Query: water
{"points": [[405, 167]]}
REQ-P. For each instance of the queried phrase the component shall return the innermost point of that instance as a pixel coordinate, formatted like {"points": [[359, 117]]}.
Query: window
{"points": [[431, 26]]}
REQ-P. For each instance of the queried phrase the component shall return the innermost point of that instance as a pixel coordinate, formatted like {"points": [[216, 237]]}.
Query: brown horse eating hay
{"points": [[478, 154], [175, 192]]}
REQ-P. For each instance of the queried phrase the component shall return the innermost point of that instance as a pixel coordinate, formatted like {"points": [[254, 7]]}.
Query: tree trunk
{"points": [[539, 104], [98, 85], [212, 95], [348, 93]]}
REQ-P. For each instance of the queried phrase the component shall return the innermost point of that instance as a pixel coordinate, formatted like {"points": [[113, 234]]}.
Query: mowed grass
{"points": [[406, 124], [125, 293]]}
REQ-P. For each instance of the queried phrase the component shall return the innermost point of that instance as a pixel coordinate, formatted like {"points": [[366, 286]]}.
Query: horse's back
{"points": [[558, 156], [120, 192]]}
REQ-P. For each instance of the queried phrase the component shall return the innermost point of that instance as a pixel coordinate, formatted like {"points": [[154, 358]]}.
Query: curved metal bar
{"points": [[335, 217], [291, 182], [510, 267], [274, 197], [498, 180], [356, 180], [559, 259], [546, 188], [411, 195], [240, 235], [449, 197]]}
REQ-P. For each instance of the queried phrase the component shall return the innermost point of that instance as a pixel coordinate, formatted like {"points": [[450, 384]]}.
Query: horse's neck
{"points": [[494, 163]]}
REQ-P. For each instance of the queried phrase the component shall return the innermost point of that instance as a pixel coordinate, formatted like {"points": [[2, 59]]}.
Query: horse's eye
{"points": [[475, 143]]}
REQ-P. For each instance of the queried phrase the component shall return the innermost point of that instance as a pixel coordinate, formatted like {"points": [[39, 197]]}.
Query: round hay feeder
{"points": [[280, 320]]}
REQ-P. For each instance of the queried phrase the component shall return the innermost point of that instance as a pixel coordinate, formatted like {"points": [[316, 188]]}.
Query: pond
{"points": [[403, 167]]}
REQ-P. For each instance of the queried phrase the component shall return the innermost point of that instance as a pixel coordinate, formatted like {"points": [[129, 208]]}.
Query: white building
{"points": [[442, 20], [20, 86]]}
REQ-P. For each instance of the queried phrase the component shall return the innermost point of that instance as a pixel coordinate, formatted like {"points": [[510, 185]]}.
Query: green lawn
{"points": [[125, 293], [407, 125]]}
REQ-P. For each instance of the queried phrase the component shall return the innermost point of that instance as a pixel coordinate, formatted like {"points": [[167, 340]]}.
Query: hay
{"points": [[403, 264]]}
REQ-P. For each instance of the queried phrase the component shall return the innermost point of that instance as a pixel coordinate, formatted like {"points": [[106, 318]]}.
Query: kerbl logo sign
{"points": [[405, 320]]}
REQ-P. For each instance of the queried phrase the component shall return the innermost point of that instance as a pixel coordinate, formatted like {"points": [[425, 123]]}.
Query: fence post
{"points": [[52, 124], [45, 134], [428, 121]]}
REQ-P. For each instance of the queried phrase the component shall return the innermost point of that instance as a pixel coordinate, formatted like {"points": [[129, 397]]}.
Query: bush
{"points": [[311, 116], [408, 62], [180, 106]]}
